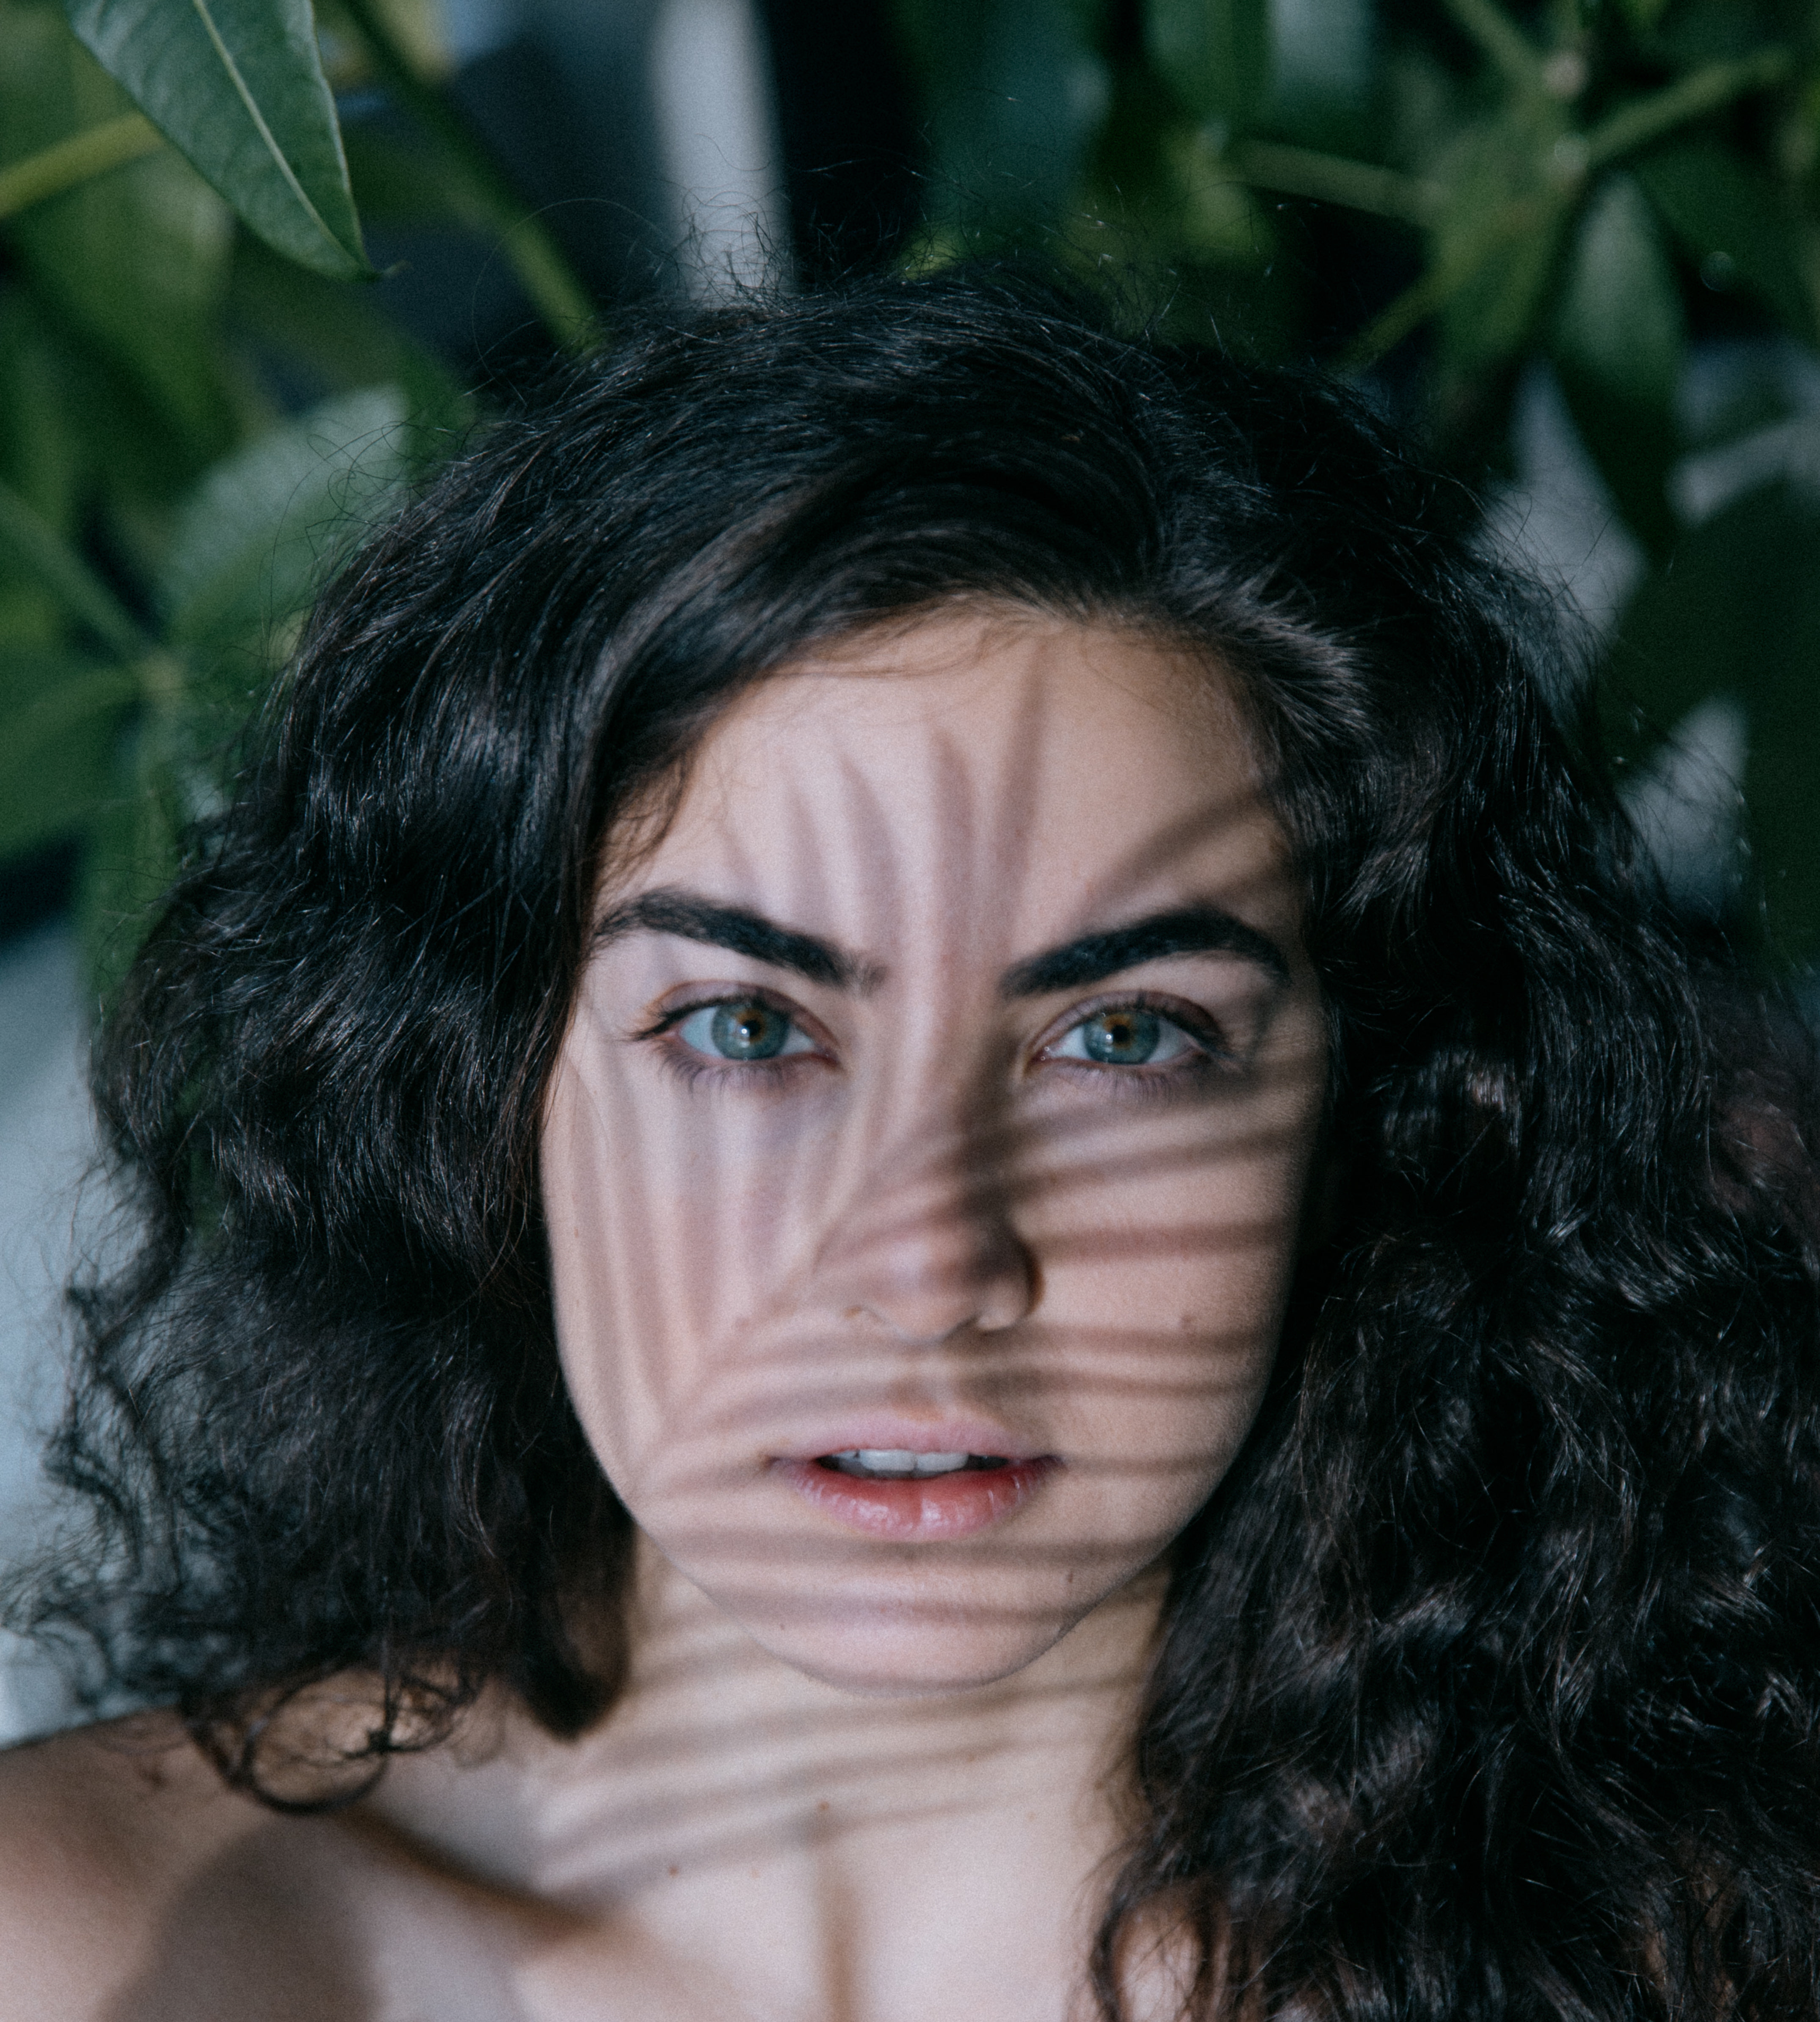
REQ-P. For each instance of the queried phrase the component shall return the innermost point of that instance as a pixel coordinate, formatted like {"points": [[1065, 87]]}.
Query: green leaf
{"points": [[138, 265], [37, 457], [40, 552], [134, 850], [237, 87], [40, 457], [1618, 341], [1735, 613], [1723, 208], [59, 724], [396, 183], [1496, 239], [255, 540], [132, 264], [1215, 55]]}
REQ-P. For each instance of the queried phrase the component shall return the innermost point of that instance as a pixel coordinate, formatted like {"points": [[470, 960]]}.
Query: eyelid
{"points": [[1197, 1025], [687, 998]]}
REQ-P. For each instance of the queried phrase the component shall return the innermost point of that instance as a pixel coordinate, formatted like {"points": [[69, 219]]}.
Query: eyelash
{"points": [[1206, 1053], [692, 1067]]}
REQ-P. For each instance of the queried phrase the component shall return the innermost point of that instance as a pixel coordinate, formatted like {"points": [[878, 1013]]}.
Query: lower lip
{"points": [[937, 1506]]}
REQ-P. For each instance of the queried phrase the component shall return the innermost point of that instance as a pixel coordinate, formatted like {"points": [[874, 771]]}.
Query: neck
{"points": [[730, 1801]]}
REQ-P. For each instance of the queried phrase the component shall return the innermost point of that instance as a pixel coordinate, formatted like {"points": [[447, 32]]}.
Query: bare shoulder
{"points": [[102, 1830], [136, 1886]]}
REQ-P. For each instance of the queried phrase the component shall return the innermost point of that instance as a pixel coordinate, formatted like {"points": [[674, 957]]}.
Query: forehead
{"points": [[999, 758]]}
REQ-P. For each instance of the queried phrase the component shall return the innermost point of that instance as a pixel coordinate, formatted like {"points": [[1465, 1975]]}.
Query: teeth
{"points": [[898, 1463]]}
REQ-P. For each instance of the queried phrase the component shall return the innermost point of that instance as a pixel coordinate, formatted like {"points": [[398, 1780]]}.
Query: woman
{"points": [[930, 1221]]}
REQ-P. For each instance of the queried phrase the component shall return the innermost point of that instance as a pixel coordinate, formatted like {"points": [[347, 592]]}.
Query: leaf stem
{"points": [[482, 193], [1691, 97], [1439, 286], [76, 160], [1334, 179]]}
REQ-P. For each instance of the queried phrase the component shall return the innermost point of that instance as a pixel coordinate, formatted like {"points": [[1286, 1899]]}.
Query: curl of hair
{"points": [[1490, 1685]]}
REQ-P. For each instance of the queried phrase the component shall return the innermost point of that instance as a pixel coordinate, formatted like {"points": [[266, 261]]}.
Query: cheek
{"points": [[669, 1227], [1166, 1254]]}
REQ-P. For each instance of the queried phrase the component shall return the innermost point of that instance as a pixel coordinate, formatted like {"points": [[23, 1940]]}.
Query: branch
{"points": [[1503, 40], [79, 158], [1645, 119], [1333, 179]]}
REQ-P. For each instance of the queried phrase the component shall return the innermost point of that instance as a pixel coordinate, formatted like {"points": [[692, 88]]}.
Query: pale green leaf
{"points": [[1618, 341], [256, 539], [1619, 325], [237, 87]]}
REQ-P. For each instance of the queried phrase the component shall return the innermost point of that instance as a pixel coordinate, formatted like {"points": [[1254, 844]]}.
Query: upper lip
{"points": [[887, 1432]]}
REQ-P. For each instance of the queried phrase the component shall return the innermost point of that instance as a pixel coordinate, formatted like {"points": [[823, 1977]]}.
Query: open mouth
{"points": [[895, 1492], [898, 1464]]}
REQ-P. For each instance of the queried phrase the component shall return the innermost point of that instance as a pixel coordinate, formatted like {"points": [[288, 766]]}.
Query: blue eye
{"points": [[746, 1029], [1124, 1035]]}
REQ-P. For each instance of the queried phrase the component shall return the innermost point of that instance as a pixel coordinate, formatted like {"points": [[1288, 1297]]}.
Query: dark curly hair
{"points": [[1490, 1679]]}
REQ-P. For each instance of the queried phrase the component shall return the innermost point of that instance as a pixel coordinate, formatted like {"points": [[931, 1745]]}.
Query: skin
{"points": [[860, 1771]]}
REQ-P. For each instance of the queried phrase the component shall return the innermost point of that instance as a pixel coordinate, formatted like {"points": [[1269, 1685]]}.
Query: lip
{"points": [[936, 1506], [887, 1431]]}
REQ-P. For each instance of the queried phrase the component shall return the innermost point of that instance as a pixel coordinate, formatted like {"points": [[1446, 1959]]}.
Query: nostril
{"points": [[928, 1262]]}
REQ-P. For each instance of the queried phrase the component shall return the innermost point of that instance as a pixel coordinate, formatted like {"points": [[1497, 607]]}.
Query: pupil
{"points": [[1122, 1039], [748, 1032]]}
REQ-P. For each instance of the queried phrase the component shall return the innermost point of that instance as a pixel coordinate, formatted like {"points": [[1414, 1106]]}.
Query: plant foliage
{"points": [[1612, 203]]}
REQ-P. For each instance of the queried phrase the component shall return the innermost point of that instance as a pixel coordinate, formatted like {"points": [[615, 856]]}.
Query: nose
{"points": [[931, 1257]]}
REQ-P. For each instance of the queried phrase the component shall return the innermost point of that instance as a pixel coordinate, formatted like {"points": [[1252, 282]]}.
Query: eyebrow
{"points": [[1186, 930], [733, 927], [1089, 959]]}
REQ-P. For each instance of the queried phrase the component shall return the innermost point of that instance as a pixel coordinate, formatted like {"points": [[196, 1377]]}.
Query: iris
{"points": [[1125, 1037], [750, 1032]]}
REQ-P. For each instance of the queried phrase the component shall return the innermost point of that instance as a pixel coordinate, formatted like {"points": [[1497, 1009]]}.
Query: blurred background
{"points": [[261, 262]]}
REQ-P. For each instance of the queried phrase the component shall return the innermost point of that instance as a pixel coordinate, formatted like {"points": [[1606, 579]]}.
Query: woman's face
{"points": [[925, 1163]]}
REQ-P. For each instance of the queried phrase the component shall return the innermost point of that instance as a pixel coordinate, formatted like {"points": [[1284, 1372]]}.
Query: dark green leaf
{"points": [[132, 264], [38, 456], [237, 87], [133, 852], [1017, 88], [60, 723], [254, 541], [334, 334], [1618, 341], [1215, 55], [1736, 614], [137, 264], [39, 551], [1723, 210], [399, 184]]}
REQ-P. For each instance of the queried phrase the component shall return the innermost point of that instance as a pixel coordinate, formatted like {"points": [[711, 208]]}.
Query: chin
{"points": [[903, 1659]]}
